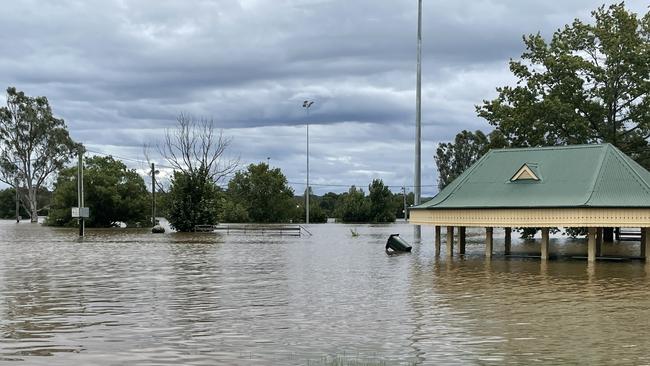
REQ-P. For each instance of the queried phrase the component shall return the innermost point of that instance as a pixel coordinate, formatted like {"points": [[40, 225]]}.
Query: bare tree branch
{"points": [[194, 147]]}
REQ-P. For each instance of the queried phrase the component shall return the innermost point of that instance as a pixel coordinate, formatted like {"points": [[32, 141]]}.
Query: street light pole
{"points": [[418, 117], [307, 104]]}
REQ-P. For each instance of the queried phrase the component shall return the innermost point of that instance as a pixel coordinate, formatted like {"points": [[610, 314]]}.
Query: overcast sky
{"points": [[119, 72]]}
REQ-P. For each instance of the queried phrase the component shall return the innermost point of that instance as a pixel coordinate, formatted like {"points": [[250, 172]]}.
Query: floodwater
{"points": [[128, 297]]}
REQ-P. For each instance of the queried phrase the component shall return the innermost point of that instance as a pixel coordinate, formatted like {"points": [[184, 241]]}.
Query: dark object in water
{"points": [[397, 244], [158, 229]]}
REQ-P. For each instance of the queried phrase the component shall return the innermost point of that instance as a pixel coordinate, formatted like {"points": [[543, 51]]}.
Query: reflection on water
{"points": [[130, 297]]}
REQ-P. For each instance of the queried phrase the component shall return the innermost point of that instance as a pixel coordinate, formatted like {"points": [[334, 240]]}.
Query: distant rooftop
{"points": [[547, 177]]}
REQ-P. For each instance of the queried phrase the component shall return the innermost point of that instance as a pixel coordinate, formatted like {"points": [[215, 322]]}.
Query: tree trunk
{"points": [[33, 205]]}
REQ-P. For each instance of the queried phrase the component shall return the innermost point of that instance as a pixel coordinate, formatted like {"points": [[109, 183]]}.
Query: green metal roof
{"points": [[569, 176]]}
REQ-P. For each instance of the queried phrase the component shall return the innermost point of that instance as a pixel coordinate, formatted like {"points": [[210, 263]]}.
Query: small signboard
{"points": [[80, 212]]}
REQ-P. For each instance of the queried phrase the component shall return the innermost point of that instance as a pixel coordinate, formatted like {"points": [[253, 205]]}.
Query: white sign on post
{"points": [[80, 212]]}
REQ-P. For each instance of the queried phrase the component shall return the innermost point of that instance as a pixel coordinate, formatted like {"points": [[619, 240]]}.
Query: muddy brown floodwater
{"points": [[128, 297]]}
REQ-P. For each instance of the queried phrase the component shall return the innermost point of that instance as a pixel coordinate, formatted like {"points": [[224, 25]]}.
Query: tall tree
{"points": [[34, 145], [263, 192], [193, 200], [113, 193], [590, 83], [381, 202], [453, 158], [195, 149], [354, 207]]}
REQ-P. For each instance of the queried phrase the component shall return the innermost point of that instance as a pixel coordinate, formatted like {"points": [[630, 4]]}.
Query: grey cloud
{"points": [[119, 72]]}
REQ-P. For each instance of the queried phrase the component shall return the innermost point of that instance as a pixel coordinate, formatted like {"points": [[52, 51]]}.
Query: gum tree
{"points": [[34, 146]]}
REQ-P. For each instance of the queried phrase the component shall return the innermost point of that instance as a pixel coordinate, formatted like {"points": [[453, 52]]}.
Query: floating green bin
{"points": [[397, 244]]}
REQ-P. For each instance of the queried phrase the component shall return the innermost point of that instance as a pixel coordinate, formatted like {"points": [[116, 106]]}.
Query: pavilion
{"points": [[593, 186]]}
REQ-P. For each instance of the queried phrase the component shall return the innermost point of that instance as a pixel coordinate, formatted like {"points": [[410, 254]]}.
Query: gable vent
{"points": [[524, 173]]}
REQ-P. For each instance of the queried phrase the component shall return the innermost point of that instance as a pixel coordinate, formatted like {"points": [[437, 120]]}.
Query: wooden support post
{"points": [[450, 241], [645, 243], [488, 242], [461, 240], [508, 241], [599, 241], [437, 240], [545, 244], [591, 244]]}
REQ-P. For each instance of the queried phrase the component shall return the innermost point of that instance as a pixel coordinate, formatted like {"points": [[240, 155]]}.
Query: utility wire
{"points": [[229, 175]]}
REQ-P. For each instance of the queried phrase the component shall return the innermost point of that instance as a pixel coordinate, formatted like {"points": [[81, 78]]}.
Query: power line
{"points": [[230, 175], [357, 185]]}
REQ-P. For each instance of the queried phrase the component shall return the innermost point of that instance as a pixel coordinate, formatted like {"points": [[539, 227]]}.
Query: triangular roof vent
{"points": [[525, 173]]}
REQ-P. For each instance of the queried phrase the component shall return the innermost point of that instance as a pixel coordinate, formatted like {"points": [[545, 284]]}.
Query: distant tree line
{"points": [[260, 194], [36, 152]]}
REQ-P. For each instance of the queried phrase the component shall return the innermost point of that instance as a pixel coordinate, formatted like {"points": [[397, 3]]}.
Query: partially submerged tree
{"points": [[195, 150], [114, 194], [34, 145], [193, 201], [263, 192], [354, 207], [590, 83], [381, 202]]}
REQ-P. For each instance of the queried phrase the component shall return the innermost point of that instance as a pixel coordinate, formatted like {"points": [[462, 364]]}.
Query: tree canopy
{"points": [[34, 145], [453, 158], [590, 83], [354, 207], [195, 149], [381, 202], [113, 193], [263, 193], [193, 200]]}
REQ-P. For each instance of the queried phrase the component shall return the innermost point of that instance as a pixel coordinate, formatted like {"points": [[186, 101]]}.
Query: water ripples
{"points": [[130, 297]]}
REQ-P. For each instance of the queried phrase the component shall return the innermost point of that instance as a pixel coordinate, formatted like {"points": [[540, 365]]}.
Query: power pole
{"points": [[17, 201], [418, 117], [153, 195], [80, 191]]}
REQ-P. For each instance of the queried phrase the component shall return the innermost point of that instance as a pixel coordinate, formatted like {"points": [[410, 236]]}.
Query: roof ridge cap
{"points": [[469, 172], [595, 180]]}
